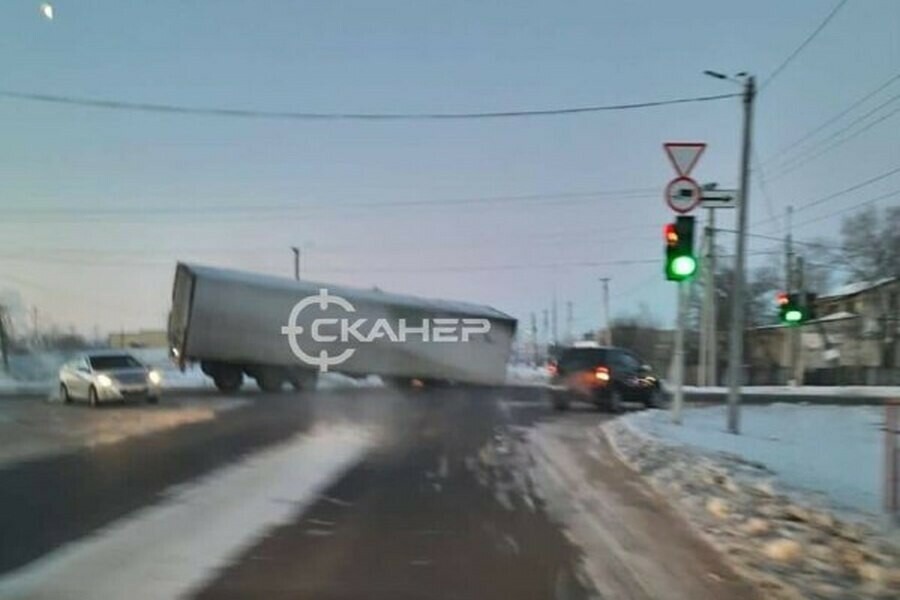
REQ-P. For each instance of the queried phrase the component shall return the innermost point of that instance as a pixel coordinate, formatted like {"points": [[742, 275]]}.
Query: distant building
{"points": [[862, 321], [856, 335], [145, 338]]}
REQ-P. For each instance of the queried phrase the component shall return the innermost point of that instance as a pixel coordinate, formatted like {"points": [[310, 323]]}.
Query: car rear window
{"points": [[581, 358], [119, 361]]}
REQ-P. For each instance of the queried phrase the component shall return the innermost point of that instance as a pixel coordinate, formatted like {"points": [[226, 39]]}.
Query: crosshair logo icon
{"points": [[292, 330], [323, 330]]}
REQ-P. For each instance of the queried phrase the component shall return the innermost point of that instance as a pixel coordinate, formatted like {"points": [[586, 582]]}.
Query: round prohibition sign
{"points": [[683, 194]]}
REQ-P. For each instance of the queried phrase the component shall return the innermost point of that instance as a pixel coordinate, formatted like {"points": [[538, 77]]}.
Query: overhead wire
{"points": [[831, 120], [839, 193], [208, 111], [817, 150], [787, 61]]}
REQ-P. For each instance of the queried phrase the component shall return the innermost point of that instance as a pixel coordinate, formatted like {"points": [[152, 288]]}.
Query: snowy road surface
{"points": [[32, 427], [365, 493]]}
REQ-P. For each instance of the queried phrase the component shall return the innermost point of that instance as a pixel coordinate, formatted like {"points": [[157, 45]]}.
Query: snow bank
{"points": [[791, 545], [832, 450]]}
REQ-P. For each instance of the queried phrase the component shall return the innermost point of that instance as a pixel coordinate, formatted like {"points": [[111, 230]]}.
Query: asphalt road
{"points": [[424, 509]]}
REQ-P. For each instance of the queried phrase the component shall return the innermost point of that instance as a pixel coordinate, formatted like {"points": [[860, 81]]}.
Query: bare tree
{"points": [[639, 332], [871, 244]]}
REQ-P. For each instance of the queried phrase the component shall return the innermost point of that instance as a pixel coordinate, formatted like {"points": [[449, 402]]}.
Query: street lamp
{"points": [[736, 336]]}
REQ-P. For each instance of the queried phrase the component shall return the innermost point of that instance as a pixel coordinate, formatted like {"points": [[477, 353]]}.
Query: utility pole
{"points": [[736, 337], [546, 334], [712, 342], [296, 251], [703, 354], [797, 354], [570, 318], [534, 339], [708, 341], [789, 286], [555, 320], [607, 334]]}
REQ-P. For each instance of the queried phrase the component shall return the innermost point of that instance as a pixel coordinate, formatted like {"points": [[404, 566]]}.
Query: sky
{"points": [[99, 204]]}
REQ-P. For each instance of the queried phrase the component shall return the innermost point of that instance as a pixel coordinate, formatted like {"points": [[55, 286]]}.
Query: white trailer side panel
{"points": [[237, 318]]}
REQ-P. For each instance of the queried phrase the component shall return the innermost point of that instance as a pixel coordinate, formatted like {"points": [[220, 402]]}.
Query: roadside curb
{"points": [[787, 548]]}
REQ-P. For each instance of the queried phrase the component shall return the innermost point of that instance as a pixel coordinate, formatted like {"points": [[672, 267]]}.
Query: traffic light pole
{"points": [[790, 289], [796, 350], [678, 367], [710, 347], [736, 337]]}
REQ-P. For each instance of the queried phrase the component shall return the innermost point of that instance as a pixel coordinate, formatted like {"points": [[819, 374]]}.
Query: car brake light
{"points": [[552, 368], [601, 374]]}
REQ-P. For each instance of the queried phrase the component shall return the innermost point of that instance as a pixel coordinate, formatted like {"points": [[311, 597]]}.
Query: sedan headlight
{"points": [[104, 380], [154, 377]]}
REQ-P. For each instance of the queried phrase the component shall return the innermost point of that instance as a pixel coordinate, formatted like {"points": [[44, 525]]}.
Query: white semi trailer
{"points": [[277, 330]]}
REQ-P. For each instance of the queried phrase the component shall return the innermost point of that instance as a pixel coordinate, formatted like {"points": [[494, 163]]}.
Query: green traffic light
{"points": [[684, 266], [793, 316]]}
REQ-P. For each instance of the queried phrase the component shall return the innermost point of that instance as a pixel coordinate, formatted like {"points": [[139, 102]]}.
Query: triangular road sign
{"points": [[684, 155]]}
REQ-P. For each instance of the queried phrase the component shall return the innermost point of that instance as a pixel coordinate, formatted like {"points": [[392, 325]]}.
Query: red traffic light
{"points": [[671, 234]]}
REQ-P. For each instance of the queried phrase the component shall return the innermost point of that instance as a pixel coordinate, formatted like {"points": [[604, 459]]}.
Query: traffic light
{"points": [[795, 309], [681, 264]]}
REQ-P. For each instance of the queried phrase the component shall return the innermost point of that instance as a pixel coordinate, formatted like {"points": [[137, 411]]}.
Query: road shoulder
{"points": [[789, 549], [634, 544]]}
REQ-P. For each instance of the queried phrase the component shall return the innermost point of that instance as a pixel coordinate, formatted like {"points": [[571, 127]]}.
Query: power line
{"points": [[832, 119], [100, 256], [803, 45], [810, 153], [632, 193], [839, 142], [781, 239], [823, 218], [502, 267], [849, 208], [761, 181], [179, 109], [839, 193]]}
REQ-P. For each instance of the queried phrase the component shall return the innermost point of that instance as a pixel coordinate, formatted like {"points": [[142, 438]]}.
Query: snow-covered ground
{"points": [[789, 502], [832, 450]]}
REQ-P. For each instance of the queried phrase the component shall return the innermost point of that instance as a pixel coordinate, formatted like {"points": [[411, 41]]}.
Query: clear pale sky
{"points": [[238, 193]]}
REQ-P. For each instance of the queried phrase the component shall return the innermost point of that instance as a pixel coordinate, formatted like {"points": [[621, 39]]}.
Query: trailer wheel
{"points": [[228, 379], [269, 379], [303, 380]]}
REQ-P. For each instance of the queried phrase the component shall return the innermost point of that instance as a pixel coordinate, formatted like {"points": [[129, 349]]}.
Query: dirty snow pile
{"points": [[785, 501], [830, 450]]}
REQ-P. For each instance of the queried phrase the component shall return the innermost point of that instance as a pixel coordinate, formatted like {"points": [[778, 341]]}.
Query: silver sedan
{"points": [[104, 376]]}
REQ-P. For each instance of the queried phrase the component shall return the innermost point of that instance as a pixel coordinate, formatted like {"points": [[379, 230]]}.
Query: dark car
{"points": [[603, 376]]}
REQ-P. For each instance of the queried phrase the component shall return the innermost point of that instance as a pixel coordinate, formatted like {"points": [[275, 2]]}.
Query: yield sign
{"points": [[684, 155]]}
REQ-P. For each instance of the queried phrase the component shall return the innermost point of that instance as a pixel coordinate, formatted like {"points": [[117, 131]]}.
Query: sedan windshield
{"points": [[116, 361]]}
